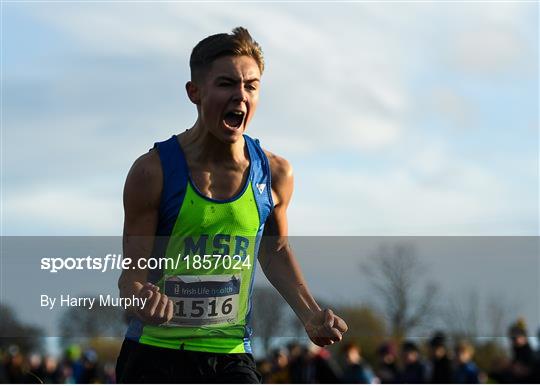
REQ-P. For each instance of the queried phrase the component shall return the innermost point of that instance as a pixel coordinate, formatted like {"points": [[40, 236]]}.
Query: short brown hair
{"points": [[464, 345], [239, 43], [350, 346]]}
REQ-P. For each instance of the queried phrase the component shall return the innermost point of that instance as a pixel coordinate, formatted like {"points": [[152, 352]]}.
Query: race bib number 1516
{"points": [[203, 300]]}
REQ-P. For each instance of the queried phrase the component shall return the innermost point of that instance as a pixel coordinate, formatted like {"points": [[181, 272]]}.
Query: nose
{"points": [[240, 94]]}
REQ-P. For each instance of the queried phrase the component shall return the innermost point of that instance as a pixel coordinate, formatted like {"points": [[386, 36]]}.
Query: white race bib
{"points": [[203, 300]]}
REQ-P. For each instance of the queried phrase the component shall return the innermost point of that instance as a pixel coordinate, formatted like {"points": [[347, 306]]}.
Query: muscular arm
{"points": [[142, 194], [282, 269]]}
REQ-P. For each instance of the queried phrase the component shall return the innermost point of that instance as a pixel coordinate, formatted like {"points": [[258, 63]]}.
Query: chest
{"points": [[202, 216], [220, 182]]}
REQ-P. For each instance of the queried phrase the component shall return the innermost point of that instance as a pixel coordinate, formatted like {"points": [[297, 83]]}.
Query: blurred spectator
{"points": [[325, 368], [34, 368], [297, 359], [356, 370], [66, 373], [51, 371], [523, 357], [109, 375], [441, 365], [314, 365], [72, 363], [14, 365], [3, 362], [89, 373], [414, 371], [500, 371], [264, 366], [537, 372], [280, 368], [388, 371], [466, 370]]}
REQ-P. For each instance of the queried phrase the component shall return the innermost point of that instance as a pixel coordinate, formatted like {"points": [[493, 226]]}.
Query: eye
{"points": [[251, 87]]}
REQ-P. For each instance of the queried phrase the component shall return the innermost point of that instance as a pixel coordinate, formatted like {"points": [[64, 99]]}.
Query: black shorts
{"points": [[140, 363]]}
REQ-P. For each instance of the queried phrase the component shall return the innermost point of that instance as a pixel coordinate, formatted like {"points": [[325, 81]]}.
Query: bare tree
{"points": [[499, 312], [464, 315], [12, 331], [268, 314], [395, 273], [81, 324], [461, 315]]}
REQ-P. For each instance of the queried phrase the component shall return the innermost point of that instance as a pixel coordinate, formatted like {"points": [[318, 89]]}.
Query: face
{"points": [[519, 340], [464, 356], [282, 360], [227, 97], [438, 352], [410, 357], [353, 356], [389, 358]]}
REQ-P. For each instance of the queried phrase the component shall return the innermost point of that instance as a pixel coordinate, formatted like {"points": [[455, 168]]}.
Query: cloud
{"points": [[493, 40], [62, 211], [115, 29], [488, 48], [452, 105], [341, 79], [430, 194], [317, 75]]}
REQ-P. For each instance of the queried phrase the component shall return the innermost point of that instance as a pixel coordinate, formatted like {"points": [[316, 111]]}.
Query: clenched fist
{"points": [[158, 308], [325, 328]]}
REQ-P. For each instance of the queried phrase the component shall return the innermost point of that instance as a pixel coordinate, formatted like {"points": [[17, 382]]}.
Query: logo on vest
{"points": [[261, 187]]}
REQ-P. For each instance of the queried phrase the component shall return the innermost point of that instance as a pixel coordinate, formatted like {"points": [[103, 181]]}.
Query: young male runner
{"points": [[210, 191]]}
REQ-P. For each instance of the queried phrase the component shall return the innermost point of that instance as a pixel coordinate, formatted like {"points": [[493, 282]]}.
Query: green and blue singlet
{"points": [[210, 248]]}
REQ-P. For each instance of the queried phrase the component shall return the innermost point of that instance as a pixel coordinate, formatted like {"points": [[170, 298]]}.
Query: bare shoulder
{"points": [[144, 181], [146, 168], [282, 178], [280, 168]]}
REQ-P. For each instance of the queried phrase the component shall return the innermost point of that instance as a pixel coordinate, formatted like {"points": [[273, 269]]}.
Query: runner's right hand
{"points": [[158, 309]]}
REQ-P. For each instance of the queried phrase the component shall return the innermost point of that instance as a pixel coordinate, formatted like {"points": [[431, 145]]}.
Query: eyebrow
{"points": [[234, 80]]}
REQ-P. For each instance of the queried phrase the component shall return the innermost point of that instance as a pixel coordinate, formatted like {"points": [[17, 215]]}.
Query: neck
{"points": [[206, 148]]}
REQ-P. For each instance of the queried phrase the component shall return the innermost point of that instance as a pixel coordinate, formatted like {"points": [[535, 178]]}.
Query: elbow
{"points": [[121, 281]]}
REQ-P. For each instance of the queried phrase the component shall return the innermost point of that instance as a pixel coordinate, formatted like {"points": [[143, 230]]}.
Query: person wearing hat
{"points": [[414, 371], [388, 371], [523, 358], [441, 365]]}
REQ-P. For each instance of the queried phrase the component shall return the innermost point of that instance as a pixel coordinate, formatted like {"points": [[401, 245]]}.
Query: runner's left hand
{"points": [[325, 328]]}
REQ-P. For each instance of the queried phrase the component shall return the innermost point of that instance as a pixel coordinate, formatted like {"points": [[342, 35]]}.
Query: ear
{"points": [[193, 92]]}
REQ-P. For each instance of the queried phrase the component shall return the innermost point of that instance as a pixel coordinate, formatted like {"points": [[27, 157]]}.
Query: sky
{"points": [[400, 119]]}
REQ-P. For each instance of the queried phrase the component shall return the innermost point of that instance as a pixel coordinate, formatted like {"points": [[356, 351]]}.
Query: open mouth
{"points": [[234, 119]]}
